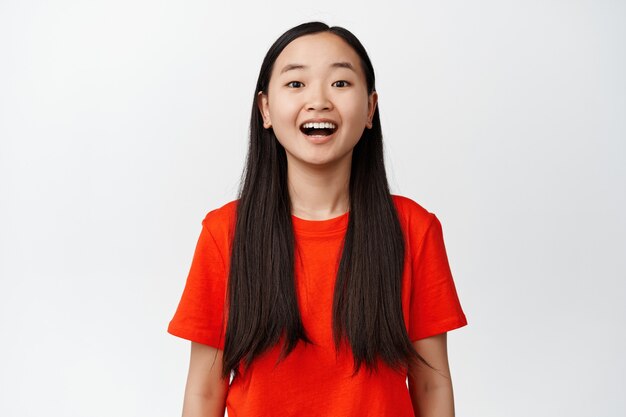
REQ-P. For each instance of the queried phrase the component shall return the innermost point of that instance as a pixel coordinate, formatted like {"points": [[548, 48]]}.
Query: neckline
{"points": [[321, 227]]}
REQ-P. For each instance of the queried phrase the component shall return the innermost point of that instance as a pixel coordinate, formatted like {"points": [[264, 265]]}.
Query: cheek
{"points": [[283, 110], [356, 110]]}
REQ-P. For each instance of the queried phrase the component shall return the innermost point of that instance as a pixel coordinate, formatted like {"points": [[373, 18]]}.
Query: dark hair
{"points": [[261, 296]]}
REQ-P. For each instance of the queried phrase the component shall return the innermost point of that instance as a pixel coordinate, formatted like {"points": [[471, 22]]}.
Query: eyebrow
{"points": [[344, 64]]}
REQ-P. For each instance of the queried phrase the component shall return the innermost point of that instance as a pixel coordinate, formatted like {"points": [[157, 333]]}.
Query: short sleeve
{"points": [[434, 303], [200, 313]]}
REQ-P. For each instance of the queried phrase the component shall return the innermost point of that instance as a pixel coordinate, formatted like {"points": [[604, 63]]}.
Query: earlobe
{"points": [[373, 100], [262, 105]]}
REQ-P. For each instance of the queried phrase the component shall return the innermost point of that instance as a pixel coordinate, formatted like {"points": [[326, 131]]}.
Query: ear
{"points": [[371, 108], [264, 109]]}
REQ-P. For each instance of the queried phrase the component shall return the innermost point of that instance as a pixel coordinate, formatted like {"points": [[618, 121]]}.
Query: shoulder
{"points": [[412, 214], [416, 221], [220, 221]]}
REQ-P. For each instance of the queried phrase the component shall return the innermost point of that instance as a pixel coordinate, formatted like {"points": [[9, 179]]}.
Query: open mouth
{"points": [[318, 129]]}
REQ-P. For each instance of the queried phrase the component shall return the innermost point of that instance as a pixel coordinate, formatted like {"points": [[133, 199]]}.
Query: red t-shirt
{"points": [[312, 381]]}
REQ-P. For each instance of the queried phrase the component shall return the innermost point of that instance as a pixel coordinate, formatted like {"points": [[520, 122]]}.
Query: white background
{"points": [[122, 123]]}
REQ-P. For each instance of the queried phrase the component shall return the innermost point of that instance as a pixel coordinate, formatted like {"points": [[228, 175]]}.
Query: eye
{"points": [[345, 83], [292, 82]]}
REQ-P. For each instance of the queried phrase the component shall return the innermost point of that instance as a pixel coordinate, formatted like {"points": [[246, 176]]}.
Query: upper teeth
{"points": [[325, 125]]}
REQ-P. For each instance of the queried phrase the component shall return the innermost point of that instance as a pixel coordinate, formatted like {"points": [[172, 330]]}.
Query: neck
{"points": [[319, 193]]}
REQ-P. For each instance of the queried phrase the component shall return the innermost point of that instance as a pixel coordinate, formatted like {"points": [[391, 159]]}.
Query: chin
{"points": [[308, 160], [328, 161], [318, 161], [318, 157]]}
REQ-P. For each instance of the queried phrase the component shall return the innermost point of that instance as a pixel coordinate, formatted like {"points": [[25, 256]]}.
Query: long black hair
{"points": [[262, 307]]}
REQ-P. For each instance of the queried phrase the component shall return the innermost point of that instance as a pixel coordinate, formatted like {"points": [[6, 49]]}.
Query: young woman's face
{"points": [[317, 77]]}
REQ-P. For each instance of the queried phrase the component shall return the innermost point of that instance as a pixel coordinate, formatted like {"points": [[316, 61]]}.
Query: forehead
{"points": [[317, 51]]}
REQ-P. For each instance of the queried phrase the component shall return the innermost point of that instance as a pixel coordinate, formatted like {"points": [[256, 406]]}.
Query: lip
{"points": [[318, 140]]}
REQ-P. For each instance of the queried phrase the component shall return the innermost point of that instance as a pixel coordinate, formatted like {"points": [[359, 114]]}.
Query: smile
{"points": [[318, 130]]}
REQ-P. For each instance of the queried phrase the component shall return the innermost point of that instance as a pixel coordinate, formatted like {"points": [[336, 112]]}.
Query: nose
{"points": [[318, 99]]}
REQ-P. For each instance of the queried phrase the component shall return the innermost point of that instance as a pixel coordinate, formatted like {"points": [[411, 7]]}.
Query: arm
{"points": [[431, 391], [205, 393]]}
